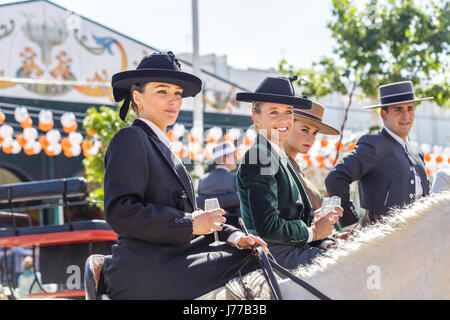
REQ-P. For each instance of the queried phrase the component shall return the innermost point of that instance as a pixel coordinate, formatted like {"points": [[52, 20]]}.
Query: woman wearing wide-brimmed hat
{"points": [[390, 170], [274, 204], [163, 247], [307, 124]]}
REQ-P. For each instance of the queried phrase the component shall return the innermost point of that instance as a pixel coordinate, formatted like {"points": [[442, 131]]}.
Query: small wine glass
{"points": [[212, 204], [335, 201]]}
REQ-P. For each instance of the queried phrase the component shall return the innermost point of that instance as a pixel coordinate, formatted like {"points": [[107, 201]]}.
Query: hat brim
{"points": [[274, 98], [375, 106], [323, 128], [190, 84]]}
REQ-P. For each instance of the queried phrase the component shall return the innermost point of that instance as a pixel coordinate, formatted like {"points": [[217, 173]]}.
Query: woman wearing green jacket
{"points": [[274, 204]]}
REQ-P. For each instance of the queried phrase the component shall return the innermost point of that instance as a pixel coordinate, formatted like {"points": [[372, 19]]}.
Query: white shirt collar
{"points": [[397, 138], [159, 133], [278, 150]]}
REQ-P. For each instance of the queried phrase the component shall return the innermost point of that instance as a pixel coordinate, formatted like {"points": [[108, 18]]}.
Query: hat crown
{"points": [[276, 85], [316, 112], [396, 88], [160, 60]]}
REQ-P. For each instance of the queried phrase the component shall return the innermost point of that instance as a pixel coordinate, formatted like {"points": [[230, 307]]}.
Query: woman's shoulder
{"points": [[128, 135]]}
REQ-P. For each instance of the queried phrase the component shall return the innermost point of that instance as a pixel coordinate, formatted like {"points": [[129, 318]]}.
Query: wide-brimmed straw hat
{"points": [[395, 93], [158, 67], [275, 90], [314, 117]]}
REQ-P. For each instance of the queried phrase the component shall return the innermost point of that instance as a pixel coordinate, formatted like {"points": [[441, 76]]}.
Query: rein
{"points": [[266, 265]]}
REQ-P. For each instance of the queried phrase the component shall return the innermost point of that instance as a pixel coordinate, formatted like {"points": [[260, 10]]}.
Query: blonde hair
{"points": [[27, 263], [256, 109]]}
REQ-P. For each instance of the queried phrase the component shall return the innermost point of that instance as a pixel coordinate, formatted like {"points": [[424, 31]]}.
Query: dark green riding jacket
{"points": [[274, 204]]}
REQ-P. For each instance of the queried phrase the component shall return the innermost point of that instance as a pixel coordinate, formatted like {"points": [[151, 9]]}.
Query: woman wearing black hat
{"points": [[162, 251], [274, 204]]}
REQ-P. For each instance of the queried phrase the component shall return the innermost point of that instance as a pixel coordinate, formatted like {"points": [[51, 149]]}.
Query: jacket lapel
{"points": [[172, 160], [289, 171]]}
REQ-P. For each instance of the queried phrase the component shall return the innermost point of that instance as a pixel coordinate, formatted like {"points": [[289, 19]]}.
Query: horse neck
{"points": [[410, 262]]}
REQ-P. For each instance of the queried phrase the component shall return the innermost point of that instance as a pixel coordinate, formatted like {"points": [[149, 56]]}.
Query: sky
{"points": [[251, 33]]}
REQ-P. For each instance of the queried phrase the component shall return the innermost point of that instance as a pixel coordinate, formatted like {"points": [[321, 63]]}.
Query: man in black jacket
{"points": [[389, 169], [220, 183]]}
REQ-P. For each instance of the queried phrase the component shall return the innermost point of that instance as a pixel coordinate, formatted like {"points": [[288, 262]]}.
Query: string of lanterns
{"points": [[193, 144], [50, 141]]}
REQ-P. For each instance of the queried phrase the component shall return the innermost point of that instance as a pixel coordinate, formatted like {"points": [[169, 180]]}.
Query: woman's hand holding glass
{"points": [[204, 222], [323, 226]]}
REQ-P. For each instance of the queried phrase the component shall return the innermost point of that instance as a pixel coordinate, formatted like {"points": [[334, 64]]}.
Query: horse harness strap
{"points": [[267, 264], [299, 281]]}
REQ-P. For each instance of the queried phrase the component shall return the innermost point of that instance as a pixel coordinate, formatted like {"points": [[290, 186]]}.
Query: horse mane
{"points": [[372, 236]]}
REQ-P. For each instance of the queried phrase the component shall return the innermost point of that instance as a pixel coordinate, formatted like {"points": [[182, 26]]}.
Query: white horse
{"points": [[404, 256]]}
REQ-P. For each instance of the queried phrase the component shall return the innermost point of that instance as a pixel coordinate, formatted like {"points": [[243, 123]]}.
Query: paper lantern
{"points": [[91, 132], [324, 142], [178, 130], [30, 134], [21, 114], [28, 148], [251, 134], [427, 157], [37, 147], [6, 131], [86, 145], [339, 145], [53, 136], [75, 138], [53, 149], [76, 150], [351, 146], [306, 157], [320, 159], [195, 134], [439, 159], [2, 117], [7, 148], [170, 135], [21, 140], [68, 153], [16, 147], [43, 142], [45, 120], [234, 133], [227, 137], [65, 144], [28, 123], [69, 122]]}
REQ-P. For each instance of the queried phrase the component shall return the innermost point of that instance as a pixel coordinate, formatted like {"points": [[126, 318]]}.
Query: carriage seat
{"points": [[94, 284]]}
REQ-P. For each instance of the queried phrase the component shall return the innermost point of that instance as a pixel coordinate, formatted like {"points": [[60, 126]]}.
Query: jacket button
{"points": [[411, 195], [177, 220], [412, 181]]}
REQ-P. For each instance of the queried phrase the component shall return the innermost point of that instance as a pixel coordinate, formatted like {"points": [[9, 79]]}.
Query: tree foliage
{"points": [[384, 42], [106, 122]]}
